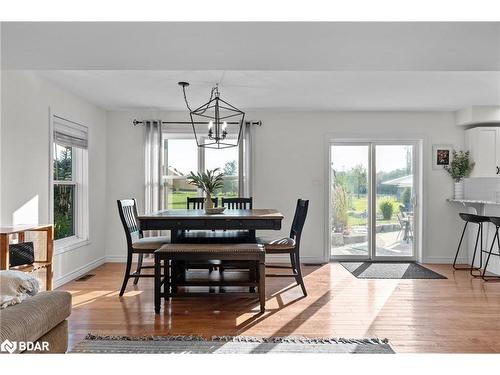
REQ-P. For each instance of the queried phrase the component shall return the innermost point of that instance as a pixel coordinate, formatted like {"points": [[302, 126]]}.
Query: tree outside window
{"points": [[64, 192]]}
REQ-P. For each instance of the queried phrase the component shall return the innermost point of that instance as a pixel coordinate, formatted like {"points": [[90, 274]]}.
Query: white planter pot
{"points": [[208, 203], [458, 190]]}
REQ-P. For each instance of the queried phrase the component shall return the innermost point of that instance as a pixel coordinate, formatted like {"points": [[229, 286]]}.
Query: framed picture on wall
{"points": [[441, 156]]}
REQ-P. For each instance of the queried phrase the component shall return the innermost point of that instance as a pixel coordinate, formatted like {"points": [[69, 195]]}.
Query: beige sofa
{"points": [[41, 318]]}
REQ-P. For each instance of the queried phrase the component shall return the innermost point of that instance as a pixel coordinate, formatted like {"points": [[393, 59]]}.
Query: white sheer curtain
{"points": [[152, 168], [246, 161]]}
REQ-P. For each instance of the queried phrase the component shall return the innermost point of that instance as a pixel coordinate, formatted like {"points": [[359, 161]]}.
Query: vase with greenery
{"points": [[208, 181], [460, 167]]}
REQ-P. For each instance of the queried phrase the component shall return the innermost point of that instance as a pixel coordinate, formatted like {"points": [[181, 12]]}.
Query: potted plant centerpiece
{"points": [[460, 167], [208, 181]]}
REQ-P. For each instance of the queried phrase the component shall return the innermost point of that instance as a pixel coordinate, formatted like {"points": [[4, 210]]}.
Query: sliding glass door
{"points": [[395, 197], [373, 195], [349, 202]]}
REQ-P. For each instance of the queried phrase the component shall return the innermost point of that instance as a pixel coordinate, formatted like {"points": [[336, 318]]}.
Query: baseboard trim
{"points": [[285, 258], [116, 259], [78, 272], [274, 258], [445, 260]]}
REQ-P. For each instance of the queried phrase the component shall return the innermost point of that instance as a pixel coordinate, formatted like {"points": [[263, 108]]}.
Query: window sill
{"points": [[68, 244]]}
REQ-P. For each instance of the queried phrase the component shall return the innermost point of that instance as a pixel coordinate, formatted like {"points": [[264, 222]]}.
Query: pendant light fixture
{"points": [[216, 124]]}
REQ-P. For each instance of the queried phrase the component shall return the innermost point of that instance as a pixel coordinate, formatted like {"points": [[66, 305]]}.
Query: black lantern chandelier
{"points": [[216, 124]]}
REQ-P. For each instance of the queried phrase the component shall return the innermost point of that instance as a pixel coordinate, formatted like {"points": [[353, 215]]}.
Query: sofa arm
{"points": [[35, 316]]}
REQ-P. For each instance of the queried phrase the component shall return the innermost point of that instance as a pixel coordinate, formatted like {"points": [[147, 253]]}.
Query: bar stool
{"points": [[495, 221], [475, 219]]}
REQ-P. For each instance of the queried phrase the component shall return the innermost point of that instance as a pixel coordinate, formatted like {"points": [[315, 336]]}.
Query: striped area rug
{"points": [[228, 345]]}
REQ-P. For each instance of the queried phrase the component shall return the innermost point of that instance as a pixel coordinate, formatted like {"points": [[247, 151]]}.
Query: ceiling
{"points": [[248, 46], [158, 90], [265, 65]]}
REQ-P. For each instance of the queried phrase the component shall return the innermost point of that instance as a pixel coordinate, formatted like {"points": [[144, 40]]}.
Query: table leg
{"points": [[174, 275], [157, 284], [253, 274], [48, 277], [173, 236], [251, 236], [166, 282], [262, 285], [50, 256], [4, 251]]}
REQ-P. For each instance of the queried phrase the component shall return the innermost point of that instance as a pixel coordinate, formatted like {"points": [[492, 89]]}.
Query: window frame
{"points": [[201, 156], [80, 181]]}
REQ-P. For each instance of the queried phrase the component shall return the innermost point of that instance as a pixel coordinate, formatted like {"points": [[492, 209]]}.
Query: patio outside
{"points": [[349, 206]]}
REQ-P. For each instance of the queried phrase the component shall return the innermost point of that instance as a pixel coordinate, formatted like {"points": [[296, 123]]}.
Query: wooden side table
{"points": [[44, 263]]}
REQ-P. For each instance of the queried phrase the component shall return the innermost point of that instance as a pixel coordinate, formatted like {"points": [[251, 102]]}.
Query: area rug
{"points": [[228, 345], [390, 270]]}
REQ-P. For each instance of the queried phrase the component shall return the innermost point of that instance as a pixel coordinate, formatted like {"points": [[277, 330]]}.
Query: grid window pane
{"points": [[177, 193], [227, 161], [64, 211], [63, 163], [181, 158]]}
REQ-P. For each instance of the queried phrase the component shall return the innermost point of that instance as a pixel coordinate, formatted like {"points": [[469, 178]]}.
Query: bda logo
{"points": [[8, 346]]}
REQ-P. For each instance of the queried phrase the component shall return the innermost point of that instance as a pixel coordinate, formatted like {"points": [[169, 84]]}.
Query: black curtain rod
{"points": [[259, 123]]}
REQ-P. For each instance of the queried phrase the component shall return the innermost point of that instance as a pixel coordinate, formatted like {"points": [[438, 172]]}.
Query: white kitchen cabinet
{"points": [[484, 145]]}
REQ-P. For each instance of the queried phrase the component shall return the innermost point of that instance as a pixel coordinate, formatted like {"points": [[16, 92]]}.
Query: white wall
{"points": [[290, 157], [290, 162], [25, 164], [125, 175]]}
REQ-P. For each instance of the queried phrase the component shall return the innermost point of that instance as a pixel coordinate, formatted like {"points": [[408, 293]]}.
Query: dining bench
{"points": [[169, 256]]}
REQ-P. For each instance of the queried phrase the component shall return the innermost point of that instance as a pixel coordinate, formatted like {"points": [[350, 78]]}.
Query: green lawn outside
{"points": [[360, 205]]}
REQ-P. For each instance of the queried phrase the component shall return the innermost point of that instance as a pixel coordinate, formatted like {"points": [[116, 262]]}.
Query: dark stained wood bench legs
{"points": [[173, 276], [262, 285], [157, 283]]}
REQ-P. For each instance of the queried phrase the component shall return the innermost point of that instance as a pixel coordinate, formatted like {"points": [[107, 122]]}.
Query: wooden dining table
{"points": [[177, 220], [181, 220]]}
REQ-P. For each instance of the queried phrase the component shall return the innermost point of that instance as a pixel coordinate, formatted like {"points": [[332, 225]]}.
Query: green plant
{"points": [[340, 207], [387, 208], [208, 181], [460, 166], [359, 175]]}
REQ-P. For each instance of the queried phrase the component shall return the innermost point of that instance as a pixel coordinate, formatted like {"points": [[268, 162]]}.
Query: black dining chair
{"points": [[211, 236], [496, 222], [198, 203], [238, 203], [291, 245], [238, 236], [136, 242]]}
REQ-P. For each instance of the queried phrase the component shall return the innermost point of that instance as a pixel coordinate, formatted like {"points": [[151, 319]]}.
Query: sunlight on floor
{"points": [[80, 299]]}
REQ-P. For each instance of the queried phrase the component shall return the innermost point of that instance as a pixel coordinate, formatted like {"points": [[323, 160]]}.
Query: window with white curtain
{"points": [[69, 180], [181, 156]]}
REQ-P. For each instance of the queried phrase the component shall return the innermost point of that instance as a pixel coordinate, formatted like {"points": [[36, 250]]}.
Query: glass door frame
{"points": [[371, 194]]}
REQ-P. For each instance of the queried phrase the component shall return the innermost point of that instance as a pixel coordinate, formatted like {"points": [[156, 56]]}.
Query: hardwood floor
{"points": [[459, 315]]}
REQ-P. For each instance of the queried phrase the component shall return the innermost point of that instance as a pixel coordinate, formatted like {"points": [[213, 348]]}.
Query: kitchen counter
{"points": [[477, 204]]}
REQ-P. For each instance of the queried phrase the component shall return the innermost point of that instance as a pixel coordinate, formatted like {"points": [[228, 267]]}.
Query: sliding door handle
{"points": [[414, 201], [498, 170]]}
